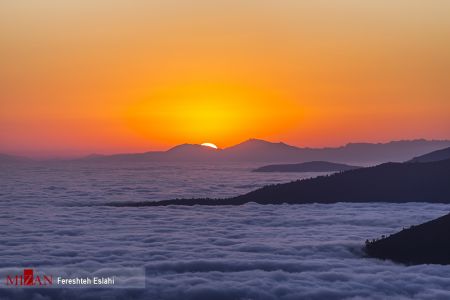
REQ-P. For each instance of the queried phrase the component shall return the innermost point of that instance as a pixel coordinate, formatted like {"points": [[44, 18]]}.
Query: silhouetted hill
{"points": [[312, 166], [395, 151], [6, 158], [187, 149], [126, 157], [255, 150], [389, 182], [427, 243], [191, 152], [433, 156], [180, 153], [260, 150], [364, 153]]}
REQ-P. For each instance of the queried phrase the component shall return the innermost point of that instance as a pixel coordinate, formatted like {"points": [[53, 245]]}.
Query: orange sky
{"points": [[79, 77]]}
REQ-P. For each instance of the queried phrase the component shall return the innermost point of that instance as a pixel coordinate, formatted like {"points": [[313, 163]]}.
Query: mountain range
{"points": [[388, 182], [255, 150]]}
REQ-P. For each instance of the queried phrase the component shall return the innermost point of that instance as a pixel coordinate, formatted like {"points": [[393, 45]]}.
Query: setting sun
{"points": [[210, 145]]}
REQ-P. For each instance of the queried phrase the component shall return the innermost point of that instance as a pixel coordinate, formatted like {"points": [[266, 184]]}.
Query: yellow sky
{"points": [[78, 77]]}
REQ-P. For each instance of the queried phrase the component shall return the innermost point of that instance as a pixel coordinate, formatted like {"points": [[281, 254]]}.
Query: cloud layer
{"points": [[247, 252]]}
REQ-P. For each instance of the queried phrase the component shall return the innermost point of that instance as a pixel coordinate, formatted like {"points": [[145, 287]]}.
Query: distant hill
{"points": [[428, 243], [389, 182], [312, 166], [255, 150], [433, 156], [6, 158], [180, 153], [193, 152], [261, 151]]}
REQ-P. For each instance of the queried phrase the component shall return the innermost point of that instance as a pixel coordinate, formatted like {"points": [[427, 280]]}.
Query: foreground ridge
{"points": [[427, 243], [389, 182]]}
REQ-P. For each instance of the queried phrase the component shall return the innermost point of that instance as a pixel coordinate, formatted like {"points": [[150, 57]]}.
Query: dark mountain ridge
{"points": [[311, 166], [427, 243], [433, 156], [389, 182], [255, 150]]}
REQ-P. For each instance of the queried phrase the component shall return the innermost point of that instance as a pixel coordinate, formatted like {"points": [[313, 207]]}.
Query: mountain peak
{"points": [[253, 142], [184, 146], [191, 148]]}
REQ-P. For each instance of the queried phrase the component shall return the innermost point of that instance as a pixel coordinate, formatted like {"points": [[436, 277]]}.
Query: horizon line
{"points": [[62, 156]]}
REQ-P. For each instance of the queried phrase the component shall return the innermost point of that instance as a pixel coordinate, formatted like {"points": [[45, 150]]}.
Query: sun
{"points": [[210, 145]]}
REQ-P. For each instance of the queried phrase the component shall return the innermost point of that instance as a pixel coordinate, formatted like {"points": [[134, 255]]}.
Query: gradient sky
{"points": [[79, 77]]}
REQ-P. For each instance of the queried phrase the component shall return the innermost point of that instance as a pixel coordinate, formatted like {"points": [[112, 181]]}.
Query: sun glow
{"points": [[210, 145], [229, 113], [154, 74]]}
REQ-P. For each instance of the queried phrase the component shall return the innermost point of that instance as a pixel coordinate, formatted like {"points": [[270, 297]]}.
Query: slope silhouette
{"points": [[427, 243], [311, 166], [255, 150], [433, 156], [389, 182]]}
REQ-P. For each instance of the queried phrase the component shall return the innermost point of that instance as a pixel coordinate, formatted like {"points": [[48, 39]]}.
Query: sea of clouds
{"points": [[243, 252]]}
